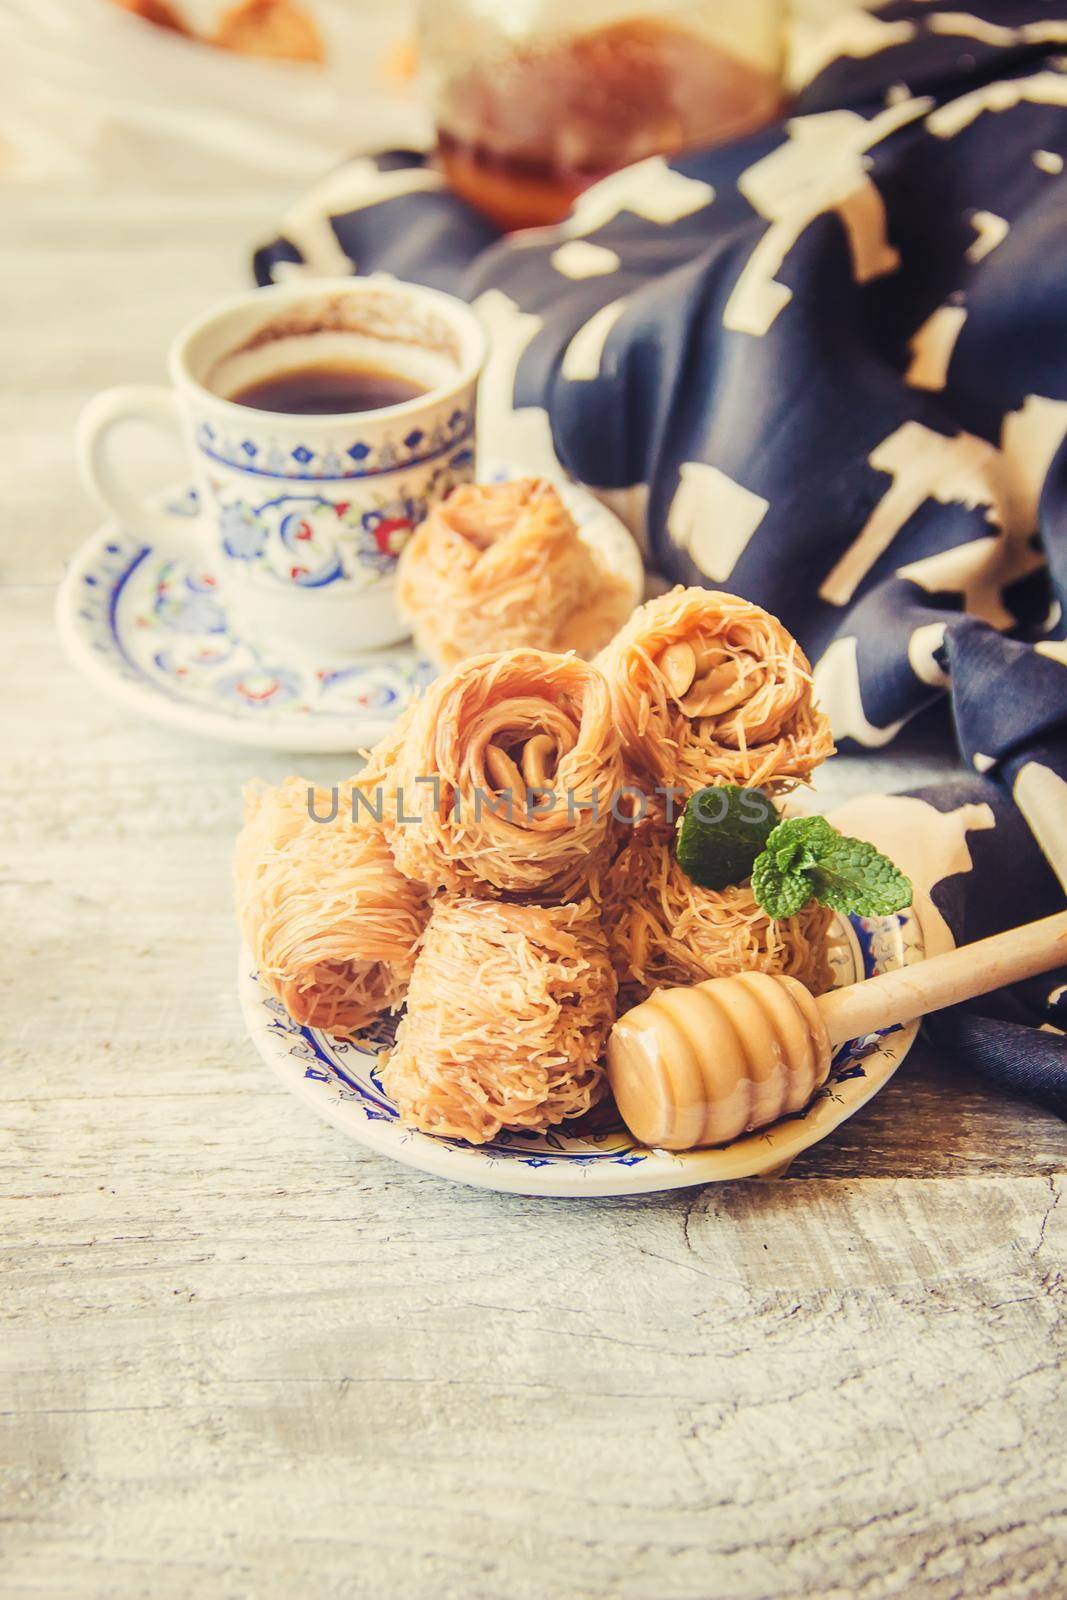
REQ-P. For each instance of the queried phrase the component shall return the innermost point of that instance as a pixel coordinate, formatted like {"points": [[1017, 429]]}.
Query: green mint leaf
{"points": [[855, 877], [781, 894], [724, 828], [806, 858], [799, 842]]}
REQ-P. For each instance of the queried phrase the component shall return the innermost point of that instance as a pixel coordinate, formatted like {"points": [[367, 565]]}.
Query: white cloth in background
{"points": [[88, 91]]}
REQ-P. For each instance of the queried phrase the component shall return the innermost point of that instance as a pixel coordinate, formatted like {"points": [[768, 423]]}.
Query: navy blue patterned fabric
{"points": [[825, 367]]}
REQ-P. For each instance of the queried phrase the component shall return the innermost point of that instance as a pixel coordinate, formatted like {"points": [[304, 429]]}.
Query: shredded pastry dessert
{"points": [[505, 778], [708, 688], [508, 1012], [511, 872], [500, 566], [331, 923], [663, 929]]}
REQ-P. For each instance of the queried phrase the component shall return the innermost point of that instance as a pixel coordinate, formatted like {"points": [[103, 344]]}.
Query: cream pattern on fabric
{"points": [[839, 692], [713, 517], [819, 168], [922, 465], [931, 347]]}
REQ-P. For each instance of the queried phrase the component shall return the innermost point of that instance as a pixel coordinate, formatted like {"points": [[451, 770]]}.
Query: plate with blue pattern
{"points": [[341, 1081], [151, 628]]}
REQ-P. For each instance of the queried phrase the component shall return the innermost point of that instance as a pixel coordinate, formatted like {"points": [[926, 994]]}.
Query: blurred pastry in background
{"points": [[400, 64], [275, 28], [501, 566], [280, 30], [153, 11]]}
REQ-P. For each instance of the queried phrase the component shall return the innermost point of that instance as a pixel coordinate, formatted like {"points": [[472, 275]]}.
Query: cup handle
{"points": [[105, 413]]}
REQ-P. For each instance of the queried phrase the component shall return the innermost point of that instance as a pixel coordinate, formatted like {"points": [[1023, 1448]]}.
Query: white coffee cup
{"points": [[303, 516]]}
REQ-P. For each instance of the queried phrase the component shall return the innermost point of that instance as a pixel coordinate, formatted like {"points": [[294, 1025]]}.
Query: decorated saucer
{"points": [[153, 630], [341, 1081]]}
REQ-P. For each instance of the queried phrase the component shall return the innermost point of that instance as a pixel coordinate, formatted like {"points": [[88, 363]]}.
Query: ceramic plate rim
{"points": [[755, 1155]]}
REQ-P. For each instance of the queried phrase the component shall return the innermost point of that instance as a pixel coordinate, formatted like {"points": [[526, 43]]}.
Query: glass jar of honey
{"points": [[534, 100]]}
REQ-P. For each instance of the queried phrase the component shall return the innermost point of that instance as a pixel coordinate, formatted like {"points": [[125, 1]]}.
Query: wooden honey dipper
{"points": [[702, 1064]]}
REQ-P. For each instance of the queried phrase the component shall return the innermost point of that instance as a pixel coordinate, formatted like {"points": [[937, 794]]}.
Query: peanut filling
{"points": [[707, 680], [527, 767]]}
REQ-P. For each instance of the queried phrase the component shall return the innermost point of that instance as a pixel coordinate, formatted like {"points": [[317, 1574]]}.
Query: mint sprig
{"points": [[723, 830], [781, 894], [790, 862]]}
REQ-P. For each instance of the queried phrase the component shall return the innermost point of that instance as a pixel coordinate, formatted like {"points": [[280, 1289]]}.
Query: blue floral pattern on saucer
{"points": [[153, 628]]}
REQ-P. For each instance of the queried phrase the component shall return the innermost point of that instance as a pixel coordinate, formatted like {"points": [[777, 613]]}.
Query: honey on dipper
{"points": [[702, 1065]]}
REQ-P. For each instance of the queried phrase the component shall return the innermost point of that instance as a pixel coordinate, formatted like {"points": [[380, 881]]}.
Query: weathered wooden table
{"points": [[243, 1358]]}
